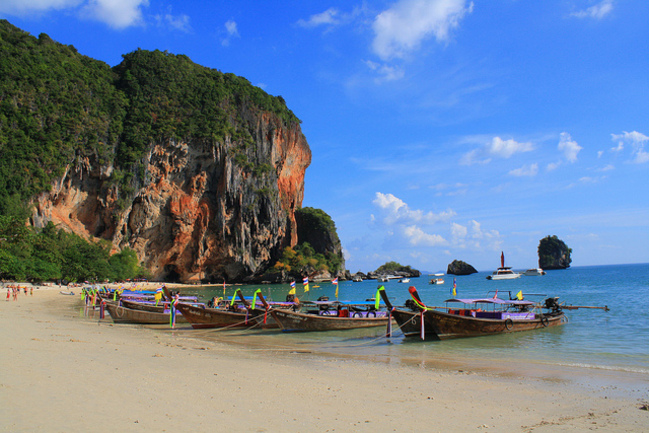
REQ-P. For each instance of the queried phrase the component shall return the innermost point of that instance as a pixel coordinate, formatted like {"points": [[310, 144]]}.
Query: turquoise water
{"points": [[615, 340]]}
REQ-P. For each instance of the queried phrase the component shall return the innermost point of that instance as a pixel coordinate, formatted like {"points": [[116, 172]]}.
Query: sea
{"points": [[616, 340]]}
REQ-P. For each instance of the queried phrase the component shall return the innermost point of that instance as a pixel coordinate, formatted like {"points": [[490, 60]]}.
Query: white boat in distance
{"points": [[534, 272], [437, 279], [503, 272]]}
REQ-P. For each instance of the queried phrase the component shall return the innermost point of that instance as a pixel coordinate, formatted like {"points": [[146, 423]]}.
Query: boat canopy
{"points": [[490, 301]]}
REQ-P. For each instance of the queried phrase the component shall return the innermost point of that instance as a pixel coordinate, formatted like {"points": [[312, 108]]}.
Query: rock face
{"points": [[553, 253], [200, 216], [458, 267], [198, 171]]}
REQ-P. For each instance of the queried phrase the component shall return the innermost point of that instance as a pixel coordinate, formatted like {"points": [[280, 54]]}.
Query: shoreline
{"points": [[83, 374]]}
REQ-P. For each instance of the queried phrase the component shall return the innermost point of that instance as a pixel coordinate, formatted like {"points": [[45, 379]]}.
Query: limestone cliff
{"points": [[198, 171], [458, 267], [199, 215], [553, 253]]}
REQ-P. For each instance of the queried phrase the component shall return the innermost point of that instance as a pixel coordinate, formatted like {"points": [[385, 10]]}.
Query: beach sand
{"points": [[63, 372]]}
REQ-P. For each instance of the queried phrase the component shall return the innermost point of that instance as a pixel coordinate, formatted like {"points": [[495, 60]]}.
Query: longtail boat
{"points": [[204, 317], [328, 316], [239, 314], [473, 317], [122, 314], [161, 307]]}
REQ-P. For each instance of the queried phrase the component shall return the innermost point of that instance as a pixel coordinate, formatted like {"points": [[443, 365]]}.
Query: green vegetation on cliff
{"points": [[61, 111], [58, 107], [53, 254], [318, 246], [392, 267]]}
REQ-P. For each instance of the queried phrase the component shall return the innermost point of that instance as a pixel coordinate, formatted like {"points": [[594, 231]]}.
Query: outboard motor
{"points": [[412, 305], [552, 304]]}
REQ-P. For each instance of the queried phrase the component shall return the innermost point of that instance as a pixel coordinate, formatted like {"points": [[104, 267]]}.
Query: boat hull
{"points": [[439, 325], [121, 314], [201, 318], [293, 321]]}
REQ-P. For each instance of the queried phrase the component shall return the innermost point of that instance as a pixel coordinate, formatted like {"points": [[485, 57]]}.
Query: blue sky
{"points": [[440, 129]]}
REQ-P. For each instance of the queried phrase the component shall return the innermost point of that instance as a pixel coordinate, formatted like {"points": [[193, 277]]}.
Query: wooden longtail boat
{"points": [[328, 316], [148, 305], [471, 320], [204, 317], [122, 314]]}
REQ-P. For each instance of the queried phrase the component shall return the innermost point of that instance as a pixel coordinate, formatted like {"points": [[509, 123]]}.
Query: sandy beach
{"points": [[63, 372]]}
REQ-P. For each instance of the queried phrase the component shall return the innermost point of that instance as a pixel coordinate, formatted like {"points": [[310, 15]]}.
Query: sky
{"points": [[440, 129]]}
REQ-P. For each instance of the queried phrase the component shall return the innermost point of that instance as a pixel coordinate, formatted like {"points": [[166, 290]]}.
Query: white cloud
{"points": [[526, 170], [398, 211], [507, 148], [231, 31], [417, 236], [329, 17], [598, 11], [385, 72], [176, 22], [637, 141], [118, 14], [569, 147], [458, 231], [553, 166], [22, 7], [474, 236], [179, 22], [474, 157], [402, 28], [231, 27]]}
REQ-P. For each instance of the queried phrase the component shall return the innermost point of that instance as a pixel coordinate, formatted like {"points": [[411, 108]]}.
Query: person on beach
{"points": [[31, 291], [8, 294]]}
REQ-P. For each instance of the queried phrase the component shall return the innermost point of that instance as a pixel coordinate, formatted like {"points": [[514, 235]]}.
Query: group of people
{"points": [[14, 291]]}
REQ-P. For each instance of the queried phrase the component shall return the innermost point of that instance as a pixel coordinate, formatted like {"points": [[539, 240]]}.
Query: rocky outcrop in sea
{"points": [[458, 267]]}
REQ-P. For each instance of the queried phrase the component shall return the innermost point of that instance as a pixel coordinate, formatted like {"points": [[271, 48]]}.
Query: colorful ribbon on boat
{"points": [[254, 298], [234, 296], [377, 297], [415, 297]]}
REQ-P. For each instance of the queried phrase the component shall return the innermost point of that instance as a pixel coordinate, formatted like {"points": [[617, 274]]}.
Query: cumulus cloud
{"points": [[526, 170], [496, 147], [507, 148], [402, 28], [417, 237], [396, 210], [474, 236], [569, 147], [598, 11], [637, 142], [118, 14]]}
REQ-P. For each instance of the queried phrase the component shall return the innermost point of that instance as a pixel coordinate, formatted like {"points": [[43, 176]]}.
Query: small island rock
{"points": [[458, 267]]}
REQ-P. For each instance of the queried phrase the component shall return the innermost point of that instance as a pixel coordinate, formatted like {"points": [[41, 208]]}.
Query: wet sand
{"points": [[62, 372]]}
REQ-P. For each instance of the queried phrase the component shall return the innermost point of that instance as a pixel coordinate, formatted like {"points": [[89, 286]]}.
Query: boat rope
{"points": [[381, 337]]}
